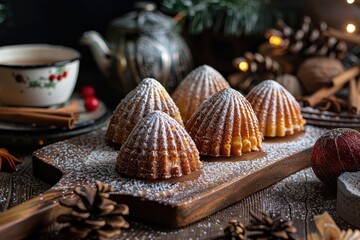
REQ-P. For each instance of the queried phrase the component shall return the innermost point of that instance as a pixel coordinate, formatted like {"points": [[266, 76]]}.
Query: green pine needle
{"points": [[235, 17], [3, 13]]}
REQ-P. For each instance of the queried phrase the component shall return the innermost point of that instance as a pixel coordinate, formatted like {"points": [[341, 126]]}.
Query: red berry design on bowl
{"points": [[91, 103], [52, 77], [19, 78], [59, 77], [64, 74]]}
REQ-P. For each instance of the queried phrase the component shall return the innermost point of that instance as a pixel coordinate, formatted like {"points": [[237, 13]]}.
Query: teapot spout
{"points": [[100, 49]]}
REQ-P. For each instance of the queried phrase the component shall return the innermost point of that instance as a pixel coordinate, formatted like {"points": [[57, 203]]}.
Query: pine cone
{"points": [[270, 227], [234, 230], [256, 69], [308, 40], [94, 215]]}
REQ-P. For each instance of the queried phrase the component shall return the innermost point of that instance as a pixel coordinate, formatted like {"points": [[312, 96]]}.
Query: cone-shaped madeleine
{"points": [[225, 125], [278, 112], [198, 86], [158, 147], [148, 96]]}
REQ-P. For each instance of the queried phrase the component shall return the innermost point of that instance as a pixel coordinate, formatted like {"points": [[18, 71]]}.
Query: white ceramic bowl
{"points": [[37, 75]]}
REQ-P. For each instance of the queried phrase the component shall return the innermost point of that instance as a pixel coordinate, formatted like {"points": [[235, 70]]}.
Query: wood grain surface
{"points": [[299, 196]]}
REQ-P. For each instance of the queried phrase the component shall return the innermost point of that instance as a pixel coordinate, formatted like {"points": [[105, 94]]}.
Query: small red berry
{"points": [[52, 77], [91, 103], [87, 91], [19, 78], [64, 75], [59, 77]]}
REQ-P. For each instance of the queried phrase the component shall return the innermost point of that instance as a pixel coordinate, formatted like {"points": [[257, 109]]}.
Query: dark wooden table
{"points": [[299, 197]]}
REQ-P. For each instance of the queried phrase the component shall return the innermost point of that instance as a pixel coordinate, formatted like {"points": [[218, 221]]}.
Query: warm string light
{"points": [[350, 28], [275, 40], [243, 66]]}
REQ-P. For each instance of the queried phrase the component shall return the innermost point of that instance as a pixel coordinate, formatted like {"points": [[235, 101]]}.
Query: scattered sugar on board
{"points": [[89, 157]]}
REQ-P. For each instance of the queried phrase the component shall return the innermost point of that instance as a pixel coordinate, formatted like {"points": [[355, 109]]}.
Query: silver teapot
{"points": [[140, 44]]}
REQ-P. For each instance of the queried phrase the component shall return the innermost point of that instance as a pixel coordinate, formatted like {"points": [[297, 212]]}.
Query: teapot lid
{"points": [[144, 18]]}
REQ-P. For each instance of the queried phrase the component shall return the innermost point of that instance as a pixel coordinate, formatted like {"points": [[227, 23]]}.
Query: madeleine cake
{"points": [[198, 86], [148, 96], [158, 147], [225, 125], [278, 112]]}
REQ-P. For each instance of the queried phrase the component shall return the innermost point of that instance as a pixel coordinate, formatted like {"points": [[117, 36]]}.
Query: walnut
{"points": [[317, 72]]}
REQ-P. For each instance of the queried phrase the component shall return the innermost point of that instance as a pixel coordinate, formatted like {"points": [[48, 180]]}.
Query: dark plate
{"points": [[330, 119]]}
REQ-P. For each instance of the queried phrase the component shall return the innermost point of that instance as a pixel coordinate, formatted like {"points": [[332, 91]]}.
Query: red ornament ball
{"points": [[91, 103], [335, 152], [87, 91]]}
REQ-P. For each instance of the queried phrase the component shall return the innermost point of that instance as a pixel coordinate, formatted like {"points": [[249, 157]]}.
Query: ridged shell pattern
{"points": [[225, 125], [198, 86], [278, 112], [148, 96], [158, 147]]}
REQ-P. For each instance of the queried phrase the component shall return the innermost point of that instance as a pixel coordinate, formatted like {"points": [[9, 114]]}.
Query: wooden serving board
{"points": [[174, 202]]}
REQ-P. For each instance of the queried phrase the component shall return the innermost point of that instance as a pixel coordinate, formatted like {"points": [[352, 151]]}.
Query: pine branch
{"points": [[235, 17], [4, 13]]}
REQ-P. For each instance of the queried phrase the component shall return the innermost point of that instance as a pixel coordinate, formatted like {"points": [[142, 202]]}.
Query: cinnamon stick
{"points": [[349, 38], [353, 98], [346, 76], [320, 94], [70, 110], [337, 84], [37, 118]]}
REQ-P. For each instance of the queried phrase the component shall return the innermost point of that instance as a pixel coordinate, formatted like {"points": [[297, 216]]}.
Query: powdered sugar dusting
{"points": [[225, 125], [158, 147], [88, 157], [278, 111], [198, 86], [148, 96]]}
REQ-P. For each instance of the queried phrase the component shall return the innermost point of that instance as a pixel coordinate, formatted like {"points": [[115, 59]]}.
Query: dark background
{"points": [[58, 22]]}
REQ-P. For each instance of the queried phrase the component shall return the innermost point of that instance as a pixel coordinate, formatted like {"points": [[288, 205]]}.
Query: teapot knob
{"points": [[145, 6]]}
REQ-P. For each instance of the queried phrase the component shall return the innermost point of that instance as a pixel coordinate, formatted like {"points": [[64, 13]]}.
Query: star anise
{"points": [[332, 104], [7, 161]]}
